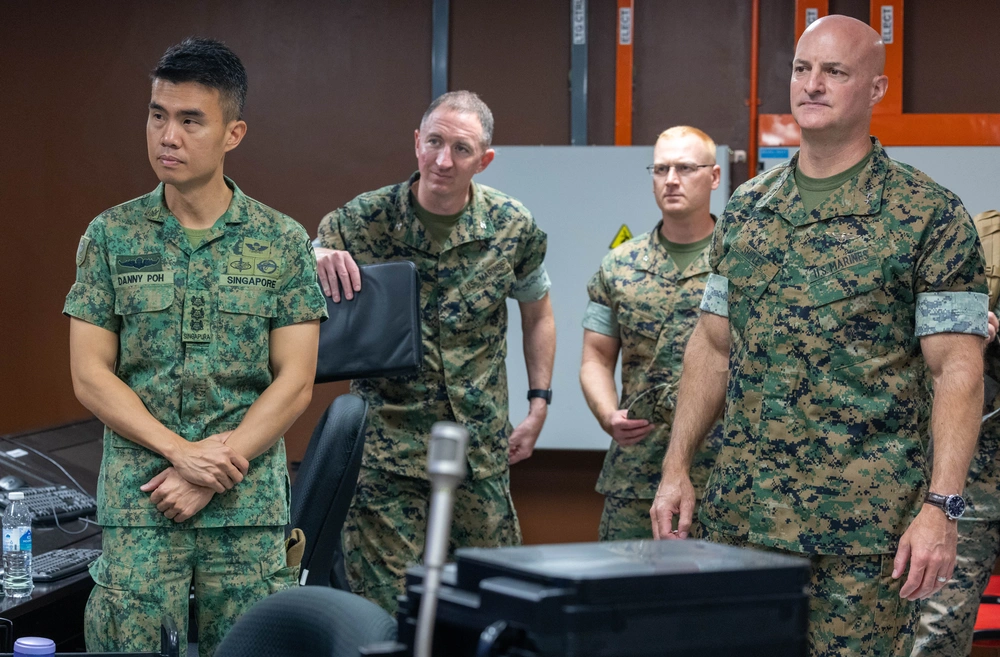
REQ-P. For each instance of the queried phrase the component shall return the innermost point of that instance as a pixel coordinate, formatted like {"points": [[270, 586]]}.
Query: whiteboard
{"points": [[580, 196]]}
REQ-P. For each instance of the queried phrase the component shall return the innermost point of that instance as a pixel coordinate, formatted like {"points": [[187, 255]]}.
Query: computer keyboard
{"points": [[61, 563], [46, 501]]}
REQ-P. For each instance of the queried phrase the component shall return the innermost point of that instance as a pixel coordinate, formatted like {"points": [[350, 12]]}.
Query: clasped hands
{"points": [[198, 471]]}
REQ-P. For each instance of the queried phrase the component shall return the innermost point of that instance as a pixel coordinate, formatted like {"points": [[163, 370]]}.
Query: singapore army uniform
{"points": [[827, 395], [495, 251], [193, 327], [639, 297]]}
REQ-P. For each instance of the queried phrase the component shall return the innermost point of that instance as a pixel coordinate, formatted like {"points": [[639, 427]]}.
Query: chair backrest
{"points": [[311, 620], [325, 485]]}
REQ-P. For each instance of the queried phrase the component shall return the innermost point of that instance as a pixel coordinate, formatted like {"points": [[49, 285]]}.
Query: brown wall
{"points": [[336, 89]]}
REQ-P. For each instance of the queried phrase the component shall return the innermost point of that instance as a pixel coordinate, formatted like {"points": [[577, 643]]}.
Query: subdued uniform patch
{"points": [[639, 297], [196, 352], [494, 252], [828, 403], [386, 528]]}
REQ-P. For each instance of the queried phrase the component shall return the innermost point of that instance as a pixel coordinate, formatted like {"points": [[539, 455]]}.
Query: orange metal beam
{"points": [[754, 97], [807, 11], [623, 73], [901, 129], [887, 19]]}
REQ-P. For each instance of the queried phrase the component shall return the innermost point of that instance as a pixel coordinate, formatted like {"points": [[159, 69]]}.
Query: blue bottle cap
{"points": [[34, 645]]}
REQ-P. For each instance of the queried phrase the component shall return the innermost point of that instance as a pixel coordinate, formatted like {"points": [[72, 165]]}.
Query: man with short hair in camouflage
{"points": [[948, 618], [843, 285], [644, 303], [473, 247], [193, 337]]}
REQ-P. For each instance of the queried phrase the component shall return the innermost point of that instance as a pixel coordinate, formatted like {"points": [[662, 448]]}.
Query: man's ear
{"points": [[485, 160]]}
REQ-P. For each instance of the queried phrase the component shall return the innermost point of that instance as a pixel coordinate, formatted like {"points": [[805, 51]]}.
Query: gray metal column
{"points": [[439, 49], [578, 72]]}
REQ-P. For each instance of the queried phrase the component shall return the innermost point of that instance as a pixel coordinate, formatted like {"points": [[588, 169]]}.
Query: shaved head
{"points": [[861, 38]]}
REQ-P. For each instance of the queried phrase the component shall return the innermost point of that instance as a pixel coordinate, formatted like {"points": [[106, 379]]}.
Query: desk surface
{"points": [[55, 609]]}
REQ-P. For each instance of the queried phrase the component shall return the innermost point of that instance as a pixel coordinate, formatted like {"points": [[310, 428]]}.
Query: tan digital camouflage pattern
{"points": [[947, 618], [193, 327], [656, 308], [145, 573], [828, 396], [854, 604], [464, 285], [386, 528]]}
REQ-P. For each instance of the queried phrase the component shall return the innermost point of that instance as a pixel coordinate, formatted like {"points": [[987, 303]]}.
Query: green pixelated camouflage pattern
{"points": [[854, 604], [627, 519], [386, 528], [828, 396], [948, 617], [194, 347], [145, 573], [656, 307], [464, 285]]}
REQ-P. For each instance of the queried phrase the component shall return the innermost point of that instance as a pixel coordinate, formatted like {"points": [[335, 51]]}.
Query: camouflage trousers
{"points": [[948, 617], [854, 604], [386, 528], [145, 573], [627, 519]]}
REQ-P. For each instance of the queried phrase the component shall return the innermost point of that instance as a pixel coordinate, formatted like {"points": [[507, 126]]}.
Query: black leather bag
{"points": [[377, 333]]}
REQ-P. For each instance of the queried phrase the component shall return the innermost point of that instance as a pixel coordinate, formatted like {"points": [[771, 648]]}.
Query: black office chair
{"points": [[324, 487], [311, 620]]}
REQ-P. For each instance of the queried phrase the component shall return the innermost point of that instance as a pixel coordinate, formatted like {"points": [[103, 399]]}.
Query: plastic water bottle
{"points": [[17, 547]]}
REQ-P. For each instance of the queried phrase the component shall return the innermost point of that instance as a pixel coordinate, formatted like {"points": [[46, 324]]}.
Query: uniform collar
{"points": [[860, 196], [158, 212], [655, 259], [473, 225]]}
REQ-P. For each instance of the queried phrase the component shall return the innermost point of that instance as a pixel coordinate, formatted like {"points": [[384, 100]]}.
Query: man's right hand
{"points": [[627, 432], [210, 463], [337, 265], [674, 497]]}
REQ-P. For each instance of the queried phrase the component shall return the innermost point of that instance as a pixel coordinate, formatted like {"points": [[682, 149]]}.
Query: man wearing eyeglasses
{"points": [[644, 304], [844, 284]]}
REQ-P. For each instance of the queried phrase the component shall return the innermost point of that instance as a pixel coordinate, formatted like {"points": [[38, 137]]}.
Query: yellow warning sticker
{"points": [[623, 235]]}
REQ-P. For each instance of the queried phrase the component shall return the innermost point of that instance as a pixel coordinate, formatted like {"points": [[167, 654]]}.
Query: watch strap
{"points": [[542, 394]]}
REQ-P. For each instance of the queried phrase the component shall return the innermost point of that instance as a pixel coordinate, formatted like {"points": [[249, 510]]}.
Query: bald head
{"points": [[857, 37]]}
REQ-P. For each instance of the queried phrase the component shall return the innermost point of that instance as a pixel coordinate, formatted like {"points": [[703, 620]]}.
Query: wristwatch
{"points": [[543, 394], [952, 505]]}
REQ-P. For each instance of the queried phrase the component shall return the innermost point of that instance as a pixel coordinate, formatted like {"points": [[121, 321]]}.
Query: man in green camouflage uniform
{"points": [[193, 337], [948, 618], [839, 293], [644, 303], [473, 247]]}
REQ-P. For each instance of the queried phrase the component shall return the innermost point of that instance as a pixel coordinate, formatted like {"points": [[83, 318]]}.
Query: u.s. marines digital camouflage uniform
{"points": [[193, 327], [495, 251], [828, 398], [639, 297]]}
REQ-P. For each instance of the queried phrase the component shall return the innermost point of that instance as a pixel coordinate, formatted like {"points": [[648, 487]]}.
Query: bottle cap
{"points": [[16, 496], [34, 645]]}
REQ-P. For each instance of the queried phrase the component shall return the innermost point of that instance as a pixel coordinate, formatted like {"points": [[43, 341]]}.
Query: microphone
{"points": [[446, 470]]}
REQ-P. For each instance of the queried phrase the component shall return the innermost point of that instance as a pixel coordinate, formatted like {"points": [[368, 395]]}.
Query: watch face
{"points": [[954, 506]]}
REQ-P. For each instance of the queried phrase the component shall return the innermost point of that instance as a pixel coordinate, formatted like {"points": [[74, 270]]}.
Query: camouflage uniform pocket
{"points": [[143, 299], [483, 294], [244, 323], [853, 313]]}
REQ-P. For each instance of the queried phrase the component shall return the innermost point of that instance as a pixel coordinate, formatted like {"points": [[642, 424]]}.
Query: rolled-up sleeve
{"points": [[715, 300], [952, 312]]}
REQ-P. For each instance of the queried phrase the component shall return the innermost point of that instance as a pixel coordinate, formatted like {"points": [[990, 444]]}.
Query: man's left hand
{"points": [[525, 435], [176, 497], [929, 545]]}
